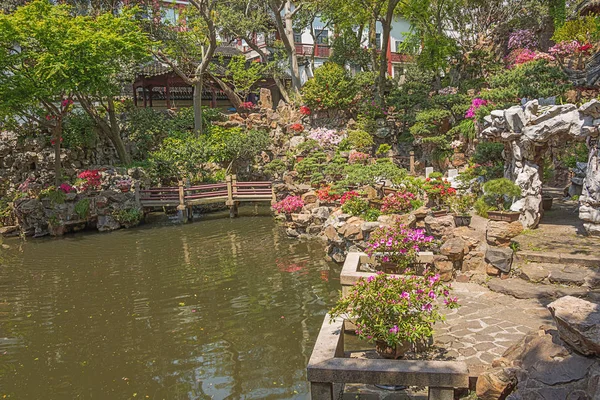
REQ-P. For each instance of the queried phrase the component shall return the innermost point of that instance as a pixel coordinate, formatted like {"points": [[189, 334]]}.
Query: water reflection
{"points": [[221, 309]]}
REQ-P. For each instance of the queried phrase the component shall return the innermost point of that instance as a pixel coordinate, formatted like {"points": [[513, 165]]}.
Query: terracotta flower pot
{"points": [[504, 216], [391, 352]]}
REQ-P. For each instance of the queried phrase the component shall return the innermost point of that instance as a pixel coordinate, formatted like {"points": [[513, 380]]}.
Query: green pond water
{"points": [[216, 309]]}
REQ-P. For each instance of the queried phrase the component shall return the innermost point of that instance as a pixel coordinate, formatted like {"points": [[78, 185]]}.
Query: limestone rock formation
{"points": [[526, 132], [578, 323]]}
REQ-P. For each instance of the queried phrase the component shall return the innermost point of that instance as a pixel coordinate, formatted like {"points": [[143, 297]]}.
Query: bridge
{"points": [[231, 193]]}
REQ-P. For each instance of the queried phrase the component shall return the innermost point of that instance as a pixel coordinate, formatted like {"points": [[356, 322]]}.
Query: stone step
{"points": [[584, 260], [562, 274], [521, 289]]}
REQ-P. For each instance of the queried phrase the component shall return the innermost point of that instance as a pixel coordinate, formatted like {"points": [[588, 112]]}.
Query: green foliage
{"points": [[583, 29], [577, 152], [510, 86], [371, 174], [489, 160], [360, 140], [482, 207], [308, 146], [242, 75], [332, 88], [383, 149], [356, 206], [500, 192], [145, 127], [311, 165], [128, 216], [347, 49], [372, 214], [55, 195], [82, 208], [276, 167], [79, 131]]}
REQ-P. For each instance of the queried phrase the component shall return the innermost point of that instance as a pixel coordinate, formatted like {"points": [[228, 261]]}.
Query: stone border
{"points": [[328, 366], [350, 273], [558, 258]]}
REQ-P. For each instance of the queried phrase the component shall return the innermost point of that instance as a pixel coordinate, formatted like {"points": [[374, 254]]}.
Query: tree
{"points": [[241, 75], [49, 58], [190, 48]]}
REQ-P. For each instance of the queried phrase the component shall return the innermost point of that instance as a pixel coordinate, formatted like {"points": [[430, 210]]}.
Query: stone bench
{"points": [[328, 366]]}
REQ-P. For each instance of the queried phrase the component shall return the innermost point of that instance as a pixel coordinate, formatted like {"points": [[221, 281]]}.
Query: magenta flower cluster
{"points": [[564, 49], [325, 137], [398, 245], [289, 205], [66, 188], [358, 158], [476, 103], [522, 39]]}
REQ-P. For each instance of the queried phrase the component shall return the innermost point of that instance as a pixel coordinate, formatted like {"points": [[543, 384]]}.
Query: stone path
{"points": [[486, 324]]}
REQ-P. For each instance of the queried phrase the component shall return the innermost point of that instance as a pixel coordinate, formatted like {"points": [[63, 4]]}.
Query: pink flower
{"points": [[405, 295], [394, 330]]}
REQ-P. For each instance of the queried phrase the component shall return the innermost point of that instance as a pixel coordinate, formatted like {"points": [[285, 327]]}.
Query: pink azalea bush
{"points": [[395, 310], [398, 203], [290, 204], [397, 244], [325, 137], [348, 196], [90, 179], [522, 39], [475, 104], [66, 188], [358, 158]]}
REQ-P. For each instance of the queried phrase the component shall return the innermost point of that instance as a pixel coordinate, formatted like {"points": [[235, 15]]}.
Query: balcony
{"points": [[400, 58], [303, 49]]}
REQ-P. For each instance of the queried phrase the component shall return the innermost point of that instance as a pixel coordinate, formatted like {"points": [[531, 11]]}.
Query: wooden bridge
{"points": [[231, 192]]}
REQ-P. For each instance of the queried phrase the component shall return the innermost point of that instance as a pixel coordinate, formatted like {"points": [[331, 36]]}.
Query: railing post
{"points": [[233, 209], [136, 188], [181, 209], [273, 196], [412, 162], [229, 191]]}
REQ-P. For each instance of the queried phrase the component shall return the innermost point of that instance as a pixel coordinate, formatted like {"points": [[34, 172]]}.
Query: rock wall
{"points": [[526, 132]]}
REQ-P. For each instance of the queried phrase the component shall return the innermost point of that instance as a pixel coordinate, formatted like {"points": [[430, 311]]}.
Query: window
{"points": [[297, 37], [322, 36], [170, 15], [378, 40], [399, 46]]}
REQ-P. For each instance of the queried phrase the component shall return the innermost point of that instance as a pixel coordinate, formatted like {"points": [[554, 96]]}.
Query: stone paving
{"points": [[486, 324]]}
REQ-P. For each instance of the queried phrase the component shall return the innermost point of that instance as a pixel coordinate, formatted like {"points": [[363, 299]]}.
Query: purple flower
{"points": [[427, 307], [394, 330], [405, 295]]}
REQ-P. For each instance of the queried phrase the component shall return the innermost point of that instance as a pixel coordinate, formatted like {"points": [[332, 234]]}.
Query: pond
{"points": [[217, 309]]}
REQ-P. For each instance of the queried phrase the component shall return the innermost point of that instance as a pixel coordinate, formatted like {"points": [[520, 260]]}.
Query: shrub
{"points": [[383, 149], [289, 205], [79, 131], [325, 137], [89, 179], [128, 216], [462, 204], [355, 206], [55, 196], [397, 244], [348, 196], [488, 159], [331, 88], [276, 167], [582, 29], [327, 194], [66, 188], [358, 158], [372, 214], [360, 140], [383, 169], [500, 193], [438, 190], [398, 203], [394, 310]]}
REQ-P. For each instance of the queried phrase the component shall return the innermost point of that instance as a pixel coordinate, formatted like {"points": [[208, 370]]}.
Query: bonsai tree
{"points": [[395, 313], [500, 193], [462, 204]]}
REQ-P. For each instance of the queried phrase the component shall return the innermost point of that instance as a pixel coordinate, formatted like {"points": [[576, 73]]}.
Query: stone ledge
{"points": [[558, 258]]}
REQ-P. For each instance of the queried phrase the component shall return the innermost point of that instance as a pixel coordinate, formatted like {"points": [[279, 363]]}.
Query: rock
{"points": [[499, 257], [321, 212], [266, 99], [421, 212], [352, 231], [8, 231], [567, 275], [524, 290], [310, 197], [445, 267], [534, 273], [301, 219], [499, 233], [296, 141], [107, 223], [370, 191], [495, 384], [578, 323], [591, 108], [292, 232], [491, 270], [439, 227], [332, 235], [472, 237], [408, 220], [314, 229], [455, 249], [515, 118], [370, 226], [474, 261]]}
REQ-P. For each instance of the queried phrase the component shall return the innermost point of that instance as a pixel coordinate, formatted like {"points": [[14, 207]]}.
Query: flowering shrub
{"points": [[475, 104], [395, 310], [398, 203], [356, 206], [66, 188], [124, 184], [247, 105], [289, 205], [456, 144], [325, 194], [305, 110], [438, 190], [90, 179], [325, 137], [358, 158], [348, 195], [522, 39], [397, 244], [571, 53], [564, 49], [297, 127]]}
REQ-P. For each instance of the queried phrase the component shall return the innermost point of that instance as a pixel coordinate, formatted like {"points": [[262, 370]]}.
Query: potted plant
{"points": [[438, 192], [396, 248], [460, 206], [124, 185], [395, 313], [547, 202], [500, 194]]}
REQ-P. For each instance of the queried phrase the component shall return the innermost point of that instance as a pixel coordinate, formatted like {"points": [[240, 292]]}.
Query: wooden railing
{"points": [[231, 193], [321, 50]]}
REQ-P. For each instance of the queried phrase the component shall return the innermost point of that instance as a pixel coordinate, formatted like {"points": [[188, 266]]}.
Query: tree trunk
{"points": [[230, 93], [198, 106], [373, 42], [383, 61], [288, 41], [115, 134], [264, 59], [57, 164]]}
